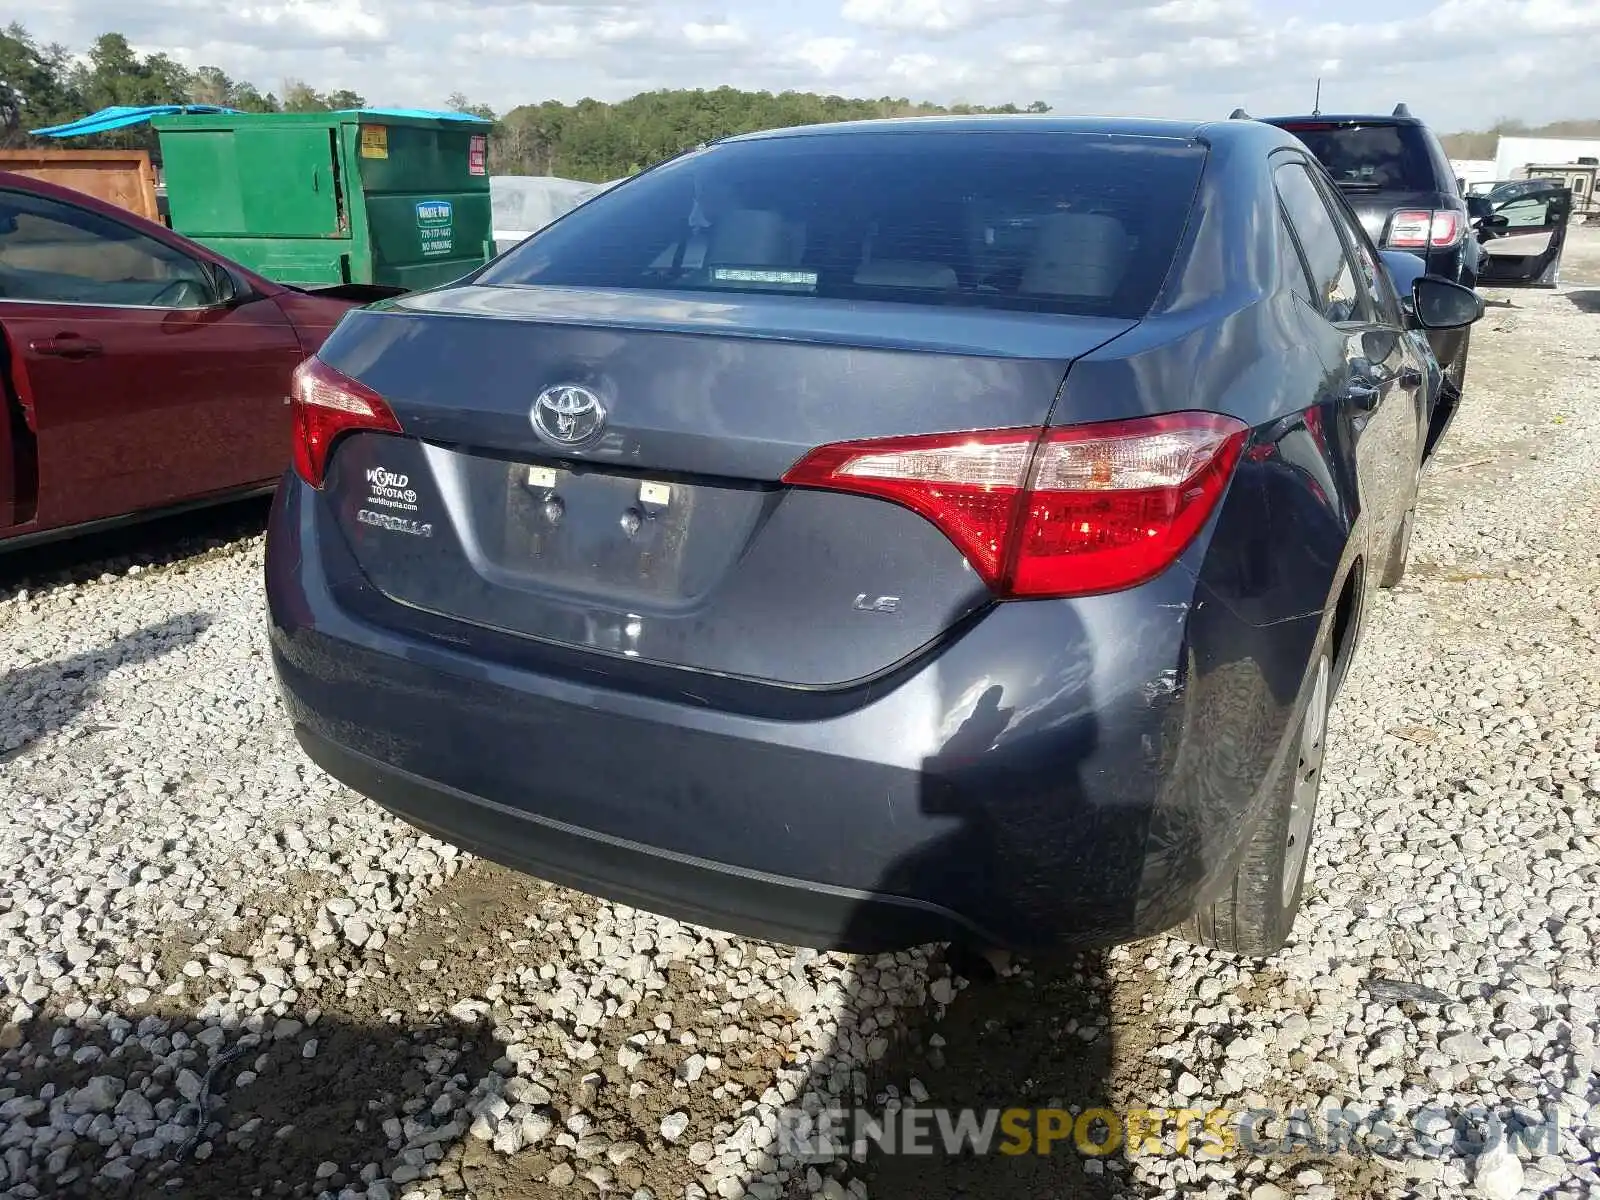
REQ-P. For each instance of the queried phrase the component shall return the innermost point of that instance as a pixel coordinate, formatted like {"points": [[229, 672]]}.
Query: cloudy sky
{"points": [[1458, 63]]}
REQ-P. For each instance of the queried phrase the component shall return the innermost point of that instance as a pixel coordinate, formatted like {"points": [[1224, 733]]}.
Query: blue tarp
{"points": [[121, 116], [432, 114]]}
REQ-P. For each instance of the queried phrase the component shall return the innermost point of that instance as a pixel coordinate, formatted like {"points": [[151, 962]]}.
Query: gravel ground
{"points": [[221, 975]]}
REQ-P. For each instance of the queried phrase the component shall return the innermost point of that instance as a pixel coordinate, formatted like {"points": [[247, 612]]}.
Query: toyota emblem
{"points": [[568, 414]]}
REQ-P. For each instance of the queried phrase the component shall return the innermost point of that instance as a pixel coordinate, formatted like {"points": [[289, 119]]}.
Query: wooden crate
{"points": [[121, 177]]}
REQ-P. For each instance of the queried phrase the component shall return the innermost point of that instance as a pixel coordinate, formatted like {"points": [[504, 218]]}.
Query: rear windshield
{"points": [[1048, 222], [1387, 158]]}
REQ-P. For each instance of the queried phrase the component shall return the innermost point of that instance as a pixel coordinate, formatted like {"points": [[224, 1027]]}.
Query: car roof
{"points": [[1347, 119], [1200, 132]]}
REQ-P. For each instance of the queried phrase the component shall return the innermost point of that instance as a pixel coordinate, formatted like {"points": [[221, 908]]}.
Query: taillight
{"points": [[1446, 228], [327, 404], [1053, 512], [1414, 228]]}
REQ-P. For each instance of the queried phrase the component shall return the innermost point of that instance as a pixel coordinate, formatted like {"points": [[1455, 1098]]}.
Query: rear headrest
{"points": [[1077, 254], [754, 235], [906, 273]]}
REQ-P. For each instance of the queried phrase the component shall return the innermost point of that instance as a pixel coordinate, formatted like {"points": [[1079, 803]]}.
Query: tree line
{"points": [[42, 85], [1480, 144]]}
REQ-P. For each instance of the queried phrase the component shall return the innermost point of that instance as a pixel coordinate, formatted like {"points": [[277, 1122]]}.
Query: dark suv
{"points": [[1398, 179]]}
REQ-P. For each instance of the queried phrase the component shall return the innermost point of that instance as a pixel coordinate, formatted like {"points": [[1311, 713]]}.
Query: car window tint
{"points": [[1050, 222], [1332, 275], [1291, 267], [50, 251], [1372, 278], [1370, 157]]}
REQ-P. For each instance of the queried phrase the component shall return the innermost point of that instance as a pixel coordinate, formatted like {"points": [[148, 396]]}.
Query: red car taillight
{"points": [[1415, 228], [327, 403], [1050, 512]]}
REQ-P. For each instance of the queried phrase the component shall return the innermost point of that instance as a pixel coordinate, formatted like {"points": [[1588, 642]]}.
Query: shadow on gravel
{"points": [[1588, 301], [1035, 1038], [37, 700], [292, 1110], [151, 545]]}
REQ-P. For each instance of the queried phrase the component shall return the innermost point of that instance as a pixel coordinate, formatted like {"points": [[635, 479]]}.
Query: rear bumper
{"points": [[1061, 772], [753, 903]]}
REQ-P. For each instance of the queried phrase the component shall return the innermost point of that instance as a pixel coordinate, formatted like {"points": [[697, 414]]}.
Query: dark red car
{"points": [[142, 372]]}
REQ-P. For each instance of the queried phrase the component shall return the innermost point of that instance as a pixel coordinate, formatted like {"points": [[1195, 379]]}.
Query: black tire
{"points": [[1254, 914]]}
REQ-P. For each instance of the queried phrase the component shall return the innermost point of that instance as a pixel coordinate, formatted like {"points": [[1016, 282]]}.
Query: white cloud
{"points": [[826, 55], [325, 20], [715, 35], [1458, 63], [912, 16]]}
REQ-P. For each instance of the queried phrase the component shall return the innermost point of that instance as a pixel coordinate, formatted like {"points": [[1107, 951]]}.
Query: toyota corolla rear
{"points": [[724, 550]]}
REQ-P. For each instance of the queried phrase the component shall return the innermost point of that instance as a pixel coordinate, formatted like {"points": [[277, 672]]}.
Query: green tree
{"points": [[34, 91], [344, 98], [597, 141], [300, 97], [114, 73], [458, 102]]}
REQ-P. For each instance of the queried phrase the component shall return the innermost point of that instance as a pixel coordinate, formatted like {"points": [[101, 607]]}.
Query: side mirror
{"points": [[1439, 304], [1478, 207], [1497, 221]]}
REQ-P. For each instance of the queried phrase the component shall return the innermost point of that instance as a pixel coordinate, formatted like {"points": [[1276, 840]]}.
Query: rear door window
{"points": [[1333, 275], [1039, 221], [1379, 296], [1291, 267]]}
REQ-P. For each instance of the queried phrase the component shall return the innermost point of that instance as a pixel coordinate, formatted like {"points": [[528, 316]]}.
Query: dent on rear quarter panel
{"points": [[1266, 569]]}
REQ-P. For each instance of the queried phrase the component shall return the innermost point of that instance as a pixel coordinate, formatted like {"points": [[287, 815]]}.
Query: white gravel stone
{"points": [[1497, 1173]]}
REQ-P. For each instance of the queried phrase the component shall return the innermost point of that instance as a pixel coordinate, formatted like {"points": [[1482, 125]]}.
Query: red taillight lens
{"points": [[1056, 512], [1112, 505], [326, 404], [1414, 228], [1409, 227], [1446, 228]]}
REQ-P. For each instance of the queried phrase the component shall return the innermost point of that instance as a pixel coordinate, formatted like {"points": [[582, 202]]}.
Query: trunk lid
{"points": [[668, 536]]}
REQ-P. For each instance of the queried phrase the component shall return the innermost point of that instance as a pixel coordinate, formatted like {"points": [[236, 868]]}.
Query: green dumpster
{"points": [[330, 198]]}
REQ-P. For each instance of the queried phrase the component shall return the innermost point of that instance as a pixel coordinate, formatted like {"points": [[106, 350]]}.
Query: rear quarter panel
{"points": [[1223, 338], [313, 317]]}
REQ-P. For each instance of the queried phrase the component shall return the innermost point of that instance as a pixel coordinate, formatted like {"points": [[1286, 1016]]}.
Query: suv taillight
{"points": [[1050, 512], [326, 404], [1416, 228]]}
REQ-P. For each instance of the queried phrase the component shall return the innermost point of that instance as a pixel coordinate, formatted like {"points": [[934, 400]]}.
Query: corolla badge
{"points": [[568, 414]]}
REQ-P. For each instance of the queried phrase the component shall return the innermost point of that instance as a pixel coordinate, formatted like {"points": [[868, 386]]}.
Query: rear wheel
{"points": [[1256, 912]]}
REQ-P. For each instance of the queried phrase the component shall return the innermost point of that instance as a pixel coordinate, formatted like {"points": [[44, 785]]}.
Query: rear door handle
{"points": [[67, 345]]}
